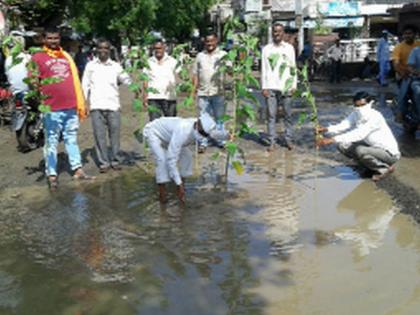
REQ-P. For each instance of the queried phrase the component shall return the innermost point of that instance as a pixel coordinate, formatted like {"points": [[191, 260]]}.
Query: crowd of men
{"points": [[364, 135]]}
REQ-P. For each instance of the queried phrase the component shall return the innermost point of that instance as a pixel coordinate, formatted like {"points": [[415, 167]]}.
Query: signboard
{"points": [[351, 8], [253, 6]]}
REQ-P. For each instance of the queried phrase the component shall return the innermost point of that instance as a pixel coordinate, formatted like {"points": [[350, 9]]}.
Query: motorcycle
{"points": [[27, 123]]}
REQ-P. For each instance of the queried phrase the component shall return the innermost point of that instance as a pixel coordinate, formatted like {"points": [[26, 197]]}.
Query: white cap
{"points": [[207, 122]]}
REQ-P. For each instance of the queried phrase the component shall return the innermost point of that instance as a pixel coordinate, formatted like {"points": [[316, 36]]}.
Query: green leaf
{"points": [[288, 85], [152, 90], [153, 109], [232, 55], [238, 167], [252, 81], [137, 104], [273, 59], [231, 148], [143, 77], [134, 87], [215, 156], [187, 102], [226, 118], [282, 68], [50, 80], [302, 118], [34, 50], [44, 108], [241, 90]]}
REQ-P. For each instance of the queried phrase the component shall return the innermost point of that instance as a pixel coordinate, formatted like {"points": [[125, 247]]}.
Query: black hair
{"points": [[362, 95], [410, 27], [51, 29], [102, 40], [159, 41], [211, 33], [277, 23]]}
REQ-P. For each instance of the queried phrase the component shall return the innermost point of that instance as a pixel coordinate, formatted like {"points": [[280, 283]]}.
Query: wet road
{"points": [[298, 233]]}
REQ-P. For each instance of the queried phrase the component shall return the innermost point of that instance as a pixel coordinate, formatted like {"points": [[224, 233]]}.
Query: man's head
{"points": [[103, 49], [205, 125], [385, 34], [361, 98], [277, 32], [51, 37], [409, 33], [210, 42], [337, 42], [159, 48]]}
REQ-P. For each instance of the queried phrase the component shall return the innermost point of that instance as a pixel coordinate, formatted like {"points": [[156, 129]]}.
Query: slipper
{"points": [[79, 174], [103, 169]]}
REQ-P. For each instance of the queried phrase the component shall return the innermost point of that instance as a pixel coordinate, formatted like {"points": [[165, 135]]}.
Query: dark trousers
{"points": [[160, 107], [106, 124], [279, 103], [335, 74]]}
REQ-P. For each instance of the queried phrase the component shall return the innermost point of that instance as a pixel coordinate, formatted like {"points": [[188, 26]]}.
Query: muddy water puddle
{"points": [[294, 235]]}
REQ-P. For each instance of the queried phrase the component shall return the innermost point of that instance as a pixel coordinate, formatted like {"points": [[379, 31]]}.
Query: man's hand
{"points": [[320, 129], [324, 141], [180, 191], [266, 93]]}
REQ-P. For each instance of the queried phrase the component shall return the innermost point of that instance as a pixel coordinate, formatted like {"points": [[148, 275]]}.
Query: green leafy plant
{"points": [[15, 48], [238, 65]]}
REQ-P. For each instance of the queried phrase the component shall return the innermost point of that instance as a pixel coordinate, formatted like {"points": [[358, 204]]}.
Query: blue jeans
{"points": [[403, 91], [64, 122], [215, 106], [415, 88]]}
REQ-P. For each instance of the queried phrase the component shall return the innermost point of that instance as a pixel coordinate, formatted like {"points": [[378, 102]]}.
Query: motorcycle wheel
{"points": [[27, 138]]}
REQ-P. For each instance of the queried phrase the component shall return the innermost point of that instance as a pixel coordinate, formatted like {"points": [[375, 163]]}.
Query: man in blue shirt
{"points": [[414, 69], [383, 57]]}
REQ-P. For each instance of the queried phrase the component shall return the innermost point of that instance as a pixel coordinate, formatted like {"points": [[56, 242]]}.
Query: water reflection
{"points": [[373, 215], [264, 247]]}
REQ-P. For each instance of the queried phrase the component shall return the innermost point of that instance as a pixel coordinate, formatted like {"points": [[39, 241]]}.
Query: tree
{"points": [[177, 18]]}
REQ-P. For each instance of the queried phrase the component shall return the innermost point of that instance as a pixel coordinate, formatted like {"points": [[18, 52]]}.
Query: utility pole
{"points": [[299, 23]]}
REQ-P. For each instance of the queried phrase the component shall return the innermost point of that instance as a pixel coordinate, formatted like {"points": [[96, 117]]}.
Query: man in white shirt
{"points": [[365, 136], [162, 82], [101, 80], [336, 54], [168, 139], [17, 72], [208, 82], [278, 81]]}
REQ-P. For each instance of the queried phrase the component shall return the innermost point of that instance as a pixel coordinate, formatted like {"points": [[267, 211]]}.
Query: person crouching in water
{"points": [[365, 136], [168, 139]]}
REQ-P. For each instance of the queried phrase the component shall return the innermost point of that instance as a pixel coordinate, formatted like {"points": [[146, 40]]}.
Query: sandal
{"points": [[52, 182], [79, 174]]}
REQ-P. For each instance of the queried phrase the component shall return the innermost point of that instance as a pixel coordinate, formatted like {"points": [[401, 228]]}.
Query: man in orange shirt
{"points": [[400, 60]]}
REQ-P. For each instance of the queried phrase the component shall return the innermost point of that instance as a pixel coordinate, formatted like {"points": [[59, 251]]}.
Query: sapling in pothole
{"points": [[237, 64]]}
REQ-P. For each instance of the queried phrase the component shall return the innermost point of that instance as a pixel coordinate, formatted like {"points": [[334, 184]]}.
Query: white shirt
{"points": [[336, 53], [162, 78], [270, 72], [370, 127], [100, 84], [16, 73], [206, 66], [174, 133]]}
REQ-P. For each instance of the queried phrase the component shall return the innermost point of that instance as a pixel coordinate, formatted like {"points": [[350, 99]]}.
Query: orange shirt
{"points": [[402, 51]]}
